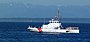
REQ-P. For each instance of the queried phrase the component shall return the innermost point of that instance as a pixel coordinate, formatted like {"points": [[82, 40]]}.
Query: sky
{"points": [[50, 2]]}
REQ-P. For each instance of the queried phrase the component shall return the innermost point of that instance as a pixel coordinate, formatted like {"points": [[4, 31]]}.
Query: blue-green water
{"points": [[17, 32]]}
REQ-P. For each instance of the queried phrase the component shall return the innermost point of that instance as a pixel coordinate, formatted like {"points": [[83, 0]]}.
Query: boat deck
{"points": [[72, 28]]}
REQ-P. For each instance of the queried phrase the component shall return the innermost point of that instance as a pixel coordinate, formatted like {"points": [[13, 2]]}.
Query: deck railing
{"points": [[72, 28]]}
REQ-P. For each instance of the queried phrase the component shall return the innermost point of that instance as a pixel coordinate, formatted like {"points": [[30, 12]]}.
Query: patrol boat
{"points": [[54, 26]]}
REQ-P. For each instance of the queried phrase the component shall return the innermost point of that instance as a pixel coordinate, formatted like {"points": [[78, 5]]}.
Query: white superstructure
{"points": [[54, 26]]}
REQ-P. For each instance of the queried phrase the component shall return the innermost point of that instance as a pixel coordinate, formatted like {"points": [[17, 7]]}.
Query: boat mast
{"points": [[58, 14], [57, 17]]}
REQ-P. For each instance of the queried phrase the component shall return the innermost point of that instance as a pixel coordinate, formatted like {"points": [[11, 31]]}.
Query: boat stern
{"points": [[72, 30]]}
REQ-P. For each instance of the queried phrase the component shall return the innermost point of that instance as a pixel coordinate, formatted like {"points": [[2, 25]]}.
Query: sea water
{"points": [[18, 32]]}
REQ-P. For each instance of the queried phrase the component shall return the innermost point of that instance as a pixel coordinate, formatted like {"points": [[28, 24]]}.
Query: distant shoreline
{"points": [[64, 20]]}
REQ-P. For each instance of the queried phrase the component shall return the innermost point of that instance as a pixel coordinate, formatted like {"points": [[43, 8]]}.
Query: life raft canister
{"points": [[39, 29]]}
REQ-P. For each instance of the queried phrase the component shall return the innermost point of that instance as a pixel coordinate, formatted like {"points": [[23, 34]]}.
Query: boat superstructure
{"points": [[54, 26]]}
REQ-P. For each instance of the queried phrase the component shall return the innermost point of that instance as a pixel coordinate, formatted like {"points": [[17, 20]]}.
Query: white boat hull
{"points": [[61, 31], [53, 30]]}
